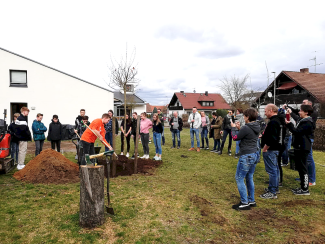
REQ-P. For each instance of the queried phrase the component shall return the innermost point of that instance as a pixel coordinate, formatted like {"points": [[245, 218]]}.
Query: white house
{"points": [[24, 82]]}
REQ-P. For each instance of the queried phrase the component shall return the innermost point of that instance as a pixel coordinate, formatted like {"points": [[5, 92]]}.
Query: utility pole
{"points": [[274, 84], [315, 62]]}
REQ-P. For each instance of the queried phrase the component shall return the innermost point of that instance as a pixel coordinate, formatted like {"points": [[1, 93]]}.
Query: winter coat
{"points": [[158, 128], [14, 138], [38, 130], [274, 134], [295, 116], [55, 131], [216, 127], [180, 124], [226, 124], [21, 130], [248, 136], [302, 134]]}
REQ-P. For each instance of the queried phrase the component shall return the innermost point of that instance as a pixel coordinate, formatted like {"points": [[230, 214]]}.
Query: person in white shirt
{"points": [[195, 123]]}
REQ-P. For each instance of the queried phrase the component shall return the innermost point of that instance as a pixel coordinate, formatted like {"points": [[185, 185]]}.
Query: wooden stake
{"points": [[136, 146]]}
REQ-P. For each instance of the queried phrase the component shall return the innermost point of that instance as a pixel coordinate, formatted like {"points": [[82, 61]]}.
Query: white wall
{"points": [[140, 109], [50, 92]]}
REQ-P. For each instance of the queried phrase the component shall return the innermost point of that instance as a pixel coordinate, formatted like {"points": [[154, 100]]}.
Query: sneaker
{"points": [[20, 166], [268, 195], [241, 206], [155, 158], [236, 157], [252, 204], [172, 147], [144, 156], [267, 190], [295, 189], [301, 192], [284, 165], [201, 147], [312, 184], [192, 149], [229, 153], [207, 148], [198, 149], [132, 156], [158, 159], [219, 152], [147, 157], [121, 153], [214, 150], [127, 155], [178, 147]]}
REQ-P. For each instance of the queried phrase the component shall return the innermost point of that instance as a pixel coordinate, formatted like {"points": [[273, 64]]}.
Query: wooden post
{"points": [[92, 199], [114, 147], [136, 146]]}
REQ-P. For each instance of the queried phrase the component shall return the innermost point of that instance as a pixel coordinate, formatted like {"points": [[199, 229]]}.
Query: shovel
{"points": [[108, 209]]}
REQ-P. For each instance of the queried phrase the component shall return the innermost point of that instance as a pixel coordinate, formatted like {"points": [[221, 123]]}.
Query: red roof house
{"points": [[208, 102]]}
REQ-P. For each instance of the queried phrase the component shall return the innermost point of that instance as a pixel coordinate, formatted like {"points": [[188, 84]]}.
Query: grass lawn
{"points": [[187, 200]]}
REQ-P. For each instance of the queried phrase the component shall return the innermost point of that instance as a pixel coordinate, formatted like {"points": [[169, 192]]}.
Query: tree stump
{"points": [[92, 197]]}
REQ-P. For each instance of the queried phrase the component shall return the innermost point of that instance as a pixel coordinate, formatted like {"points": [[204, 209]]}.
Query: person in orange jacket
{"points": [[88, 138]]}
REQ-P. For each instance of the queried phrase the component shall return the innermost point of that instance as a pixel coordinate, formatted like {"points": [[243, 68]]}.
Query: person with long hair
{"points": [[205, 122], [145, 125], [157, 129], [126, 132]]}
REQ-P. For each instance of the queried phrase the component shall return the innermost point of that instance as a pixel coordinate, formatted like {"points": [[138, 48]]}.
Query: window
{"points": [[18, 78], [207, 104], [129, 88]]}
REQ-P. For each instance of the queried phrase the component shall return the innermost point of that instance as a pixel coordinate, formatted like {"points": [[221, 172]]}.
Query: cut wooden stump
{"points": [[92, 205]]}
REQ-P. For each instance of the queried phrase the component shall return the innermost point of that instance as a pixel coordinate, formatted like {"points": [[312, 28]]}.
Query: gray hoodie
{"points": [[247, 135]]}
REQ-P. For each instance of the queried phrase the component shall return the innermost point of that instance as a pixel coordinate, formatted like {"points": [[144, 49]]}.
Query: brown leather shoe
{"points": [[191, 149], [198, 149]]}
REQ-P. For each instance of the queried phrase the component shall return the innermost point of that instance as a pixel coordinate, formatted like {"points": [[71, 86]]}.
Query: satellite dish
{"points": [[269, 94]]}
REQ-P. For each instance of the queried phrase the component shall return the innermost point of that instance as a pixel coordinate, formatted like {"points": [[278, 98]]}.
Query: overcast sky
{"points": [[180, 45]]}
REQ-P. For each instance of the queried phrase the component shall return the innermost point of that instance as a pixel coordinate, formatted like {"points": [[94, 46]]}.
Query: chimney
{"points": [[304, 70], [206, 93], [182, 92]]}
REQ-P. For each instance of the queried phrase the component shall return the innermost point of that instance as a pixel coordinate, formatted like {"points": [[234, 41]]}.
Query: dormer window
{"points": [[129, 88], [18, 78], [207, 104]]}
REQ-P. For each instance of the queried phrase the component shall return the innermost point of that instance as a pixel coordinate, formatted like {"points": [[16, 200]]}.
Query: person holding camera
{"points": [[302, 145], [226, 130]]}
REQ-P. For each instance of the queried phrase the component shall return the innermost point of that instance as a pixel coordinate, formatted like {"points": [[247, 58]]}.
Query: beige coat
{"points": [[217, 128]]}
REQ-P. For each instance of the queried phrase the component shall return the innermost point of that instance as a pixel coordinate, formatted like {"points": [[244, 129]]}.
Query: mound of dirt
{"points": [[125, 166], [49, 167]]}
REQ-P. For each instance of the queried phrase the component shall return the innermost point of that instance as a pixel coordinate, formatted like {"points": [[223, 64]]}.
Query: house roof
{"points": [[190, 100], [129, 97], [314, 83], [150, 108], [54, 69]]}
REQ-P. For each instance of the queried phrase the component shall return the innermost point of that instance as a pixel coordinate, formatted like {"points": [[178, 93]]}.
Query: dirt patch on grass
{"points": [[49, 167], [208, 211], [125, 166], [305, 202]]}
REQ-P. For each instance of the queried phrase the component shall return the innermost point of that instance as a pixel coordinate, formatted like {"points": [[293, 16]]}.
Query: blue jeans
{"points": [[196, 132], [204, 135], [14, 150], [245, 170], [157, 142], [311, 165], [285, 154], [272, 168], [176, 133], [258, 149], [237, 147], [109, 139], [216, 145]]}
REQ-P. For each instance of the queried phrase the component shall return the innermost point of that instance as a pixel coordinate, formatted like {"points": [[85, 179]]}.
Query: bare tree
{"points": [[122, 75], [234, 89]]}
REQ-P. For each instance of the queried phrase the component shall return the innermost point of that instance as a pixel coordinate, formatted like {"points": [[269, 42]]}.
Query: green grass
{"points": [[187, 200]]}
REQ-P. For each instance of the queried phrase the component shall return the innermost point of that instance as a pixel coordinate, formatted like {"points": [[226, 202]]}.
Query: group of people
{"points": [[20, 135]]}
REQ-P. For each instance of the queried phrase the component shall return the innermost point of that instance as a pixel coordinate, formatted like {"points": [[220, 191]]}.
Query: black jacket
{"points": [[14, 138], [55, 131], [180, 123], [81, 128], [226, 122], [77, 122], [158, 128], [302, 134], [134, 127], [127, 127], [21, 130], [296, 117], [274, 134]]}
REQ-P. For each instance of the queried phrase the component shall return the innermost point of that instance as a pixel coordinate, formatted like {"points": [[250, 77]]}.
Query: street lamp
{"points": [[274, 87]]}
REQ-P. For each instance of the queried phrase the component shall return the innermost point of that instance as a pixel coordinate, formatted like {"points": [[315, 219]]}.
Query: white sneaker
{"points": [[147, 157], [121, 153], [20, 166], [158, 159], [144, 156], [127, 155]]}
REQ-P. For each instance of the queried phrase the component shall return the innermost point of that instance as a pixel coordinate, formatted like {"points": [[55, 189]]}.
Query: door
{"points": [[15, 108]]}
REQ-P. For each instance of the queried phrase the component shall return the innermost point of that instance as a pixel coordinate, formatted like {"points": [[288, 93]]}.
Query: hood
{"points": [[310, 119], [255, 126], [55, 122]]}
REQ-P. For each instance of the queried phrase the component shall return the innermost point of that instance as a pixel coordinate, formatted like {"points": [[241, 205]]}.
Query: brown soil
{"points": [[66, 146], [49, 167], [125, 166]]}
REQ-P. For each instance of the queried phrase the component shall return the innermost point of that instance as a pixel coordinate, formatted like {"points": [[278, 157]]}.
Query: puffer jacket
{"points": [[38, 130], [216, 127], [21, 130]]}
